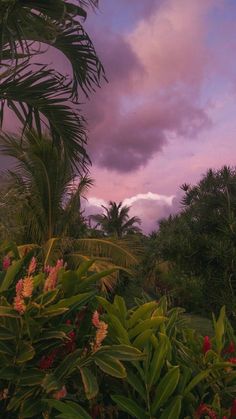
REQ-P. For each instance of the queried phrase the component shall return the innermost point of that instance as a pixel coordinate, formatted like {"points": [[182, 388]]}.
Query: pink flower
{"points": [[19, 287], [60, 394], [28, 287], [32, 266], [6, 263], [19, 304], [206, 345], [51, 281], [95, 319], [46, 362], [101, 333]]}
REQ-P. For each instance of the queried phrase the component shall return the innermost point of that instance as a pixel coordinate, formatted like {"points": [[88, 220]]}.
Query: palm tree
{"points": [[38, 95], [46, 179], [115, 221]]}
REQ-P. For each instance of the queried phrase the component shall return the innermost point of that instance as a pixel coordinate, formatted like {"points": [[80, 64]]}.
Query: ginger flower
{"points": [[28, 286], [95, 319], [51, 281], [32, 266], [19, 304], [6, 263], [60, 394]]}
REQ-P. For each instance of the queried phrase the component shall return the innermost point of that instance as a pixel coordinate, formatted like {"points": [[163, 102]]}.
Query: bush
{"points": [[67, 352]]}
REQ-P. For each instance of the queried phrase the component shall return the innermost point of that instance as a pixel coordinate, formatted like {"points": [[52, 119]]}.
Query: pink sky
{"points": [[168, 112]]}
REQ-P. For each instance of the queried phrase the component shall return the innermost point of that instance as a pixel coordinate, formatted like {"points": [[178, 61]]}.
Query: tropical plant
{"points": [[52, 193], [51, 347], [200, 241], [38, 95], [115, 221], [183, 375]]}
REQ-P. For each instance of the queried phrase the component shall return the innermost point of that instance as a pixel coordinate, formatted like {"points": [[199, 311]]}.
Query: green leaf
{"points": [[31, 408], [119, 302], [75, 300], [5, 334], [11, 273], [84, 268], [25, 352], [92, 279], [5, 348], [153, 323], [129, 406], [219, 326], [69, 409], [195, 381], [89, 382], [142, 340], [47, 297], [9, 373], [158, 360], [173, 410], [50, 383], [121, 333], [141, 312], [122, 352], [69, 363], [135, 382], [69, 282], [31, 377], [166, 388], [110, 365]]}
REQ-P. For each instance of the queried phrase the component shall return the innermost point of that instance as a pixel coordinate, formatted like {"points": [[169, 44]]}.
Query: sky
{"points": [[167, 113]]}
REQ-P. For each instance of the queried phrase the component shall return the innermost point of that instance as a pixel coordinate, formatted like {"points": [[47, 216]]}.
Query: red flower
{"points": [[46, 362], [60, 394], [232, 360], [204, 410], [230, 349], [6, 263], [206, 344], [70, 344], [233, 410]]}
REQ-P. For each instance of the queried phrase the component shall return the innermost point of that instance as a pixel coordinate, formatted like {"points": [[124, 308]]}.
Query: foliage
{"points": [[115, 221], [60, 358], [38, 95], [44, 176], [50, 349], [200, 241]]}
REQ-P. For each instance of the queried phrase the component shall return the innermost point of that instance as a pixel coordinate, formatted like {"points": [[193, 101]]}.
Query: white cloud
{"points": [[149, 196]]}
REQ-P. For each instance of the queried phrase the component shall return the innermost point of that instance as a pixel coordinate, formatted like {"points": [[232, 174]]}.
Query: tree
{"points": [[116, 222], [51, 191], [38, 95], [201, 240]]}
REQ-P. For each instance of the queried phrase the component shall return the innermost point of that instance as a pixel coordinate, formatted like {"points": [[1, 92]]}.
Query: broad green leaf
{"points": [[75, 300], [129, 406], [84, 267], [50, 383], [31, 377], [135, 382], [38, 279], [6, 348], [195, 381], [6, 334], [142, 340], [47, 297], [11, 273], [220, 330], [110, 365], [25, 352], [152, 323], [69, 281], [121, 333], [158, 360], [69, 363], [119, 302], [122, 352], [17, 400], [31, 408], [51, 334], [141, 312], [89, 382], [51, 312], [173, 410], [92, 279], [110, 308], [166, 388], [9, 373], [69, 409]]}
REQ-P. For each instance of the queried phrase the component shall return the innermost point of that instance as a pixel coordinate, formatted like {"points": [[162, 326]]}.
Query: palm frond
{"points": [[40, 99]]}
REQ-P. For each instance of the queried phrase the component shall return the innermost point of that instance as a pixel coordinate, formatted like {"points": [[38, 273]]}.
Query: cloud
{"points": [[155, 77], [149, 207]]}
